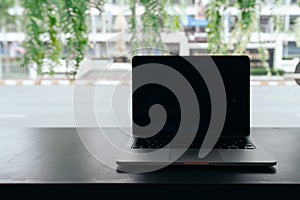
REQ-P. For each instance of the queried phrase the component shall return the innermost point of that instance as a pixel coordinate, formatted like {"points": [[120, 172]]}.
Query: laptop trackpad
{"points": [[191, 155]]}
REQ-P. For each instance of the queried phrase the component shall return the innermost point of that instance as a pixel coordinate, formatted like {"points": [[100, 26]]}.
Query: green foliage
{"points": [[55, 45], [247, 21], [215, 26], [278, 19], [152, 21], [245, 24], [35, 28], [43, 44], [5, 20], [248, 8], [264, 72], [133, 25], [240, 36], [75, 28], [4, 15], [170, 17], [53, 24], [155, 20]]}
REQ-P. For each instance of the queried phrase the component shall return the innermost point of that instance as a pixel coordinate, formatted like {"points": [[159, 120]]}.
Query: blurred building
{"points": [[105, 27]]}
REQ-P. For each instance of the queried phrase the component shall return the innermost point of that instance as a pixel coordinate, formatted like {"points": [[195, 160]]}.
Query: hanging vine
{"points": [[134, 29], [54, 44], [240, 36], [50, 24], [152, 24], [35, 29], [215, 39], [5, 19], [75, 31], [154, 21]]}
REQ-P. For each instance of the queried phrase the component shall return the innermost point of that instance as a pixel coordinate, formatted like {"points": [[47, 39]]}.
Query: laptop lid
{"points": [[234, 71]]}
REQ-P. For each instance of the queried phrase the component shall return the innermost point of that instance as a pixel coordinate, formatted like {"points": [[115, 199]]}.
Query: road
{"points": [[52, 106]]}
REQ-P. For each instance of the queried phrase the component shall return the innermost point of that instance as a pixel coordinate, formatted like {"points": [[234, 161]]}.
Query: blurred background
{"points": [[47, 46]]}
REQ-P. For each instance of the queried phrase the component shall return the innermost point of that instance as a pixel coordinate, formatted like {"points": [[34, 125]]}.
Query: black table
{"points": [[57, 155]]}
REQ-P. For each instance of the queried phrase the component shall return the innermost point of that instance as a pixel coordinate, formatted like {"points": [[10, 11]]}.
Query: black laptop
{"points": [[234, 146]]}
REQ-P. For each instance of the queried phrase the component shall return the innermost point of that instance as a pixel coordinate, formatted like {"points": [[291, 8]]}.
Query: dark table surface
{"points": [[57, 155]]}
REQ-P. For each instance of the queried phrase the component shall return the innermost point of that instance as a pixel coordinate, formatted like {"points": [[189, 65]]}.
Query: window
{"points": [[291, 50], [294, 2], [292, 21], [265, 24], [32, 99]]}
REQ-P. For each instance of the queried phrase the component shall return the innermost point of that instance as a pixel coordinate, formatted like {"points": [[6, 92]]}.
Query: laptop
{"points": [[234, 145]]}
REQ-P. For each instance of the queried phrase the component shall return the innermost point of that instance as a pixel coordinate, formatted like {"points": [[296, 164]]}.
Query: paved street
{"points": [[51, 106]]}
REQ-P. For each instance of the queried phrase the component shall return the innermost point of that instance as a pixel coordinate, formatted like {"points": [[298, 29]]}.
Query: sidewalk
{"points": [[288, 80], [62, 82]]}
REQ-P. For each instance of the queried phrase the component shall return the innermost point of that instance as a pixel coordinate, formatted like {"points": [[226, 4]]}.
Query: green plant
{"points": [[155, 20], [240, 36], [4, 5], [133, 24], [75, 28], [50, 24], [55, 47], [248, 19], [152, 21], [216, 43], [5, 19], [264, 72], [245, 24], [35, 29], [43, 44]]}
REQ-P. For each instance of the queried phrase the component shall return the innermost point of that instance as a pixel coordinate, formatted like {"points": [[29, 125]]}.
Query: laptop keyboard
{"points": [[223, 143]]}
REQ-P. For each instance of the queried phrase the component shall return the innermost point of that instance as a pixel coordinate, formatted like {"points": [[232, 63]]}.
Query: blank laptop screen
{"points": [[235, 74]]}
